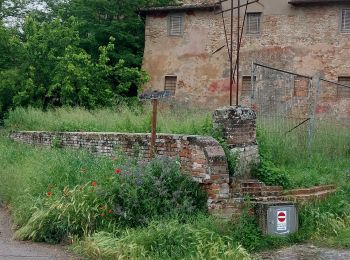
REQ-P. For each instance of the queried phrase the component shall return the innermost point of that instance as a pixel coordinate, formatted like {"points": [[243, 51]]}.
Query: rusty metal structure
{"points": [[154, 96], [229, 37]]}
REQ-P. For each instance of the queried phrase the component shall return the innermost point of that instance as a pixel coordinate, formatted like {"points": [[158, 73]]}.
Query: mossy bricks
{"points": [[237, 125]]}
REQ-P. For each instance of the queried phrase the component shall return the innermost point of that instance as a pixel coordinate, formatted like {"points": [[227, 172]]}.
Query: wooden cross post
{"points": [[154, 96]]}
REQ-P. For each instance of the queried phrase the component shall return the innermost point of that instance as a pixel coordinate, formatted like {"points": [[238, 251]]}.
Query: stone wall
{"points": [[202, 157], [238, 127]]}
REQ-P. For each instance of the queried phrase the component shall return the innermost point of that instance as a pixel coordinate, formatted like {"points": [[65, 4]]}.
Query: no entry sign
{"points": [[281, 220]]}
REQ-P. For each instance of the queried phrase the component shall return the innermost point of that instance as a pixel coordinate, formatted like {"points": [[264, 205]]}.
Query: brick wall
{"points": [[238, 127], [202, 157]]}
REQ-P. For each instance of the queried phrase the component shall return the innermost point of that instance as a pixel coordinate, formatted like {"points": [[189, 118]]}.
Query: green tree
{"points": [[58, 72], [101, 19]]}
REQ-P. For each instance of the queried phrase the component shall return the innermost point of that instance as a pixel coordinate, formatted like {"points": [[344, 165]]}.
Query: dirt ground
{"points": [[305, 252], [11, 249]]}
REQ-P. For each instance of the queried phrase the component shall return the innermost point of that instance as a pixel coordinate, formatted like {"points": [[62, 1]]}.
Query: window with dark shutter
{"points": [[342, 91], [301, 87], [170, 84], [253, 23], [175, 26], [246, 86], [345, 21]]}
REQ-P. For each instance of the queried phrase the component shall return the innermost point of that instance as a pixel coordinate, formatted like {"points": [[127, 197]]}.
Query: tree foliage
{"points": [[70, 52]]}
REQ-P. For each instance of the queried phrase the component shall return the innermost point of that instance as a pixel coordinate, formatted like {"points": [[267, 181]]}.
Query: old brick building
{"points": [[183, 55]]}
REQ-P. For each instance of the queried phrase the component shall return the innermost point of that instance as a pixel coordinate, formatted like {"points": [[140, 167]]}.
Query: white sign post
{"points": [[281, 220]]}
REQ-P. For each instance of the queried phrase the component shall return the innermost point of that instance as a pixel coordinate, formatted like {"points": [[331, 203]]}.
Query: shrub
{"points": [[155, 190], [58, 193], [270, 174]]}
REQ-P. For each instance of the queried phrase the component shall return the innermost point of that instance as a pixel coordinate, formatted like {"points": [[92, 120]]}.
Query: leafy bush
{"points": [[60, 193], [154, 190], [270, 174]]}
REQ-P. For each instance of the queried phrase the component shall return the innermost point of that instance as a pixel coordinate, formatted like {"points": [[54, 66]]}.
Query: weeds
{"points": [[121, 119], [164, 240]]}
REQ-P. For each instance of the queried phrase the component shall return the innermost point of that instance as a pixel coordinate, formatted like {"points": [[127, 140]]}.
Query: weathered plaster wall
{"points": [[306, 40]]}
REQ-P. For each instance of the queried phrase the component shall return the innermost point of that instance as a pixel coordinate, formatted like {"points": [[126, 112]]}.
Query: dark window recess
{"points": [[345, 21], [301, 87], [176, 25], [253, 23], [246, 86], [170, 84], [342, 91]]}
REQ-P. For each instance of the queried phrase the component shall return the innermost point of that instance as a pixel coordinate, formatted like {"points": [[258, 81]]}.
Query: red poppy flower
{"points": [[49, 194], [117, 171], [94, 183], [110, 211]]}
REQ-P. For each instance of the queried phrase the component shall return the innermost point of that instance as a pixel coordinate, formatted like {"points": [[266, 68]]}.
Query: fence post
{"points": [[252, 83], [314, 87]]}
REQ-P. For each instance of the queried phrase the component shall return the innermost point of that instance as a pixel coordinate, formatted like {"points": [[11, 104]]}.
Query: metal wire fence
{"points": [[307, 113]]}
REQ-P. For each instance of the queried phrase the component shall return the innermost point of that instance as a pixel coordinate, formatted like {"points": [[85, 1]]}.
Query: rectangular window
{"points": [[345, 21], [176, 25], [253, 23], [170, 84], [301, 87], [342, 91], [246, 86]]}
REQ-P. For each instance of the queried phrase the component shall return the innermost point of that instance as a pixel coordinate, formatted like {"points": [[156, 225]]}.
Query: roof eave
{"points": [[317, 2], [177, 8]]}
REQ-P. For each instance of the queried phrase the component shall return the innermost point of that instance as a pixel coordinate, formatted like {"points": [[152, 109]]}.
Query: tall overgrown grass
{"points": [[180, 120], [305, 161], [44, 186]]}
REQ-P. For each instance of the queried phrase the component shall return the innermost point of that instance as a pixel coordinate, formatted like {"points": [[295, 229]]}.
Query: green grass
{"points": [[122, 119], [325, 161], [164, 240], [29, 173]]}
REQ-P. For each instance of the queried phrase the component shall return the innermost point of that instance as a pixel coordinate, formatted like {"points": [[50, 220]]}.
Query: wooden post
{"points": [[154, 127], [154, 96]]}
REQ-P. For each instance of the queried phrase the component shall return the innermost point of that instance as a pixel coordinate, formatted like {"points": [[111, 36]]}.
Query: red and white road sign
{"points": [[281, 220], [281, 216]]}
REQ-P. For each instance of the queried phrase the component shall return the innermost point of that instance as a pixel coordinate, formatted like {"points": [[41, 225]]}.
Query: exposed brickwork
{"points": [[238, 127], [257, 191], [201, 156], [237, 124]]}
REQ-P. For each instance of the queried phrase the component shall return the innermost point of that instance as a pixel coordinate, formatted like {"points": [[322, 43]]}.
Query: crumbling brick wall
{"points": [[201, 156]]}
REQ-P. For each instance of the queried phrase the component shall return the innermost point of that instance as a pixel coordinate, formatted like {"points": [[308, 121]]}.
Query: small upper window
{"points": [[176, 25], [253, 23], [343, 91], [345, 21], [170, 84], [247, 85], [301, 87]]}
